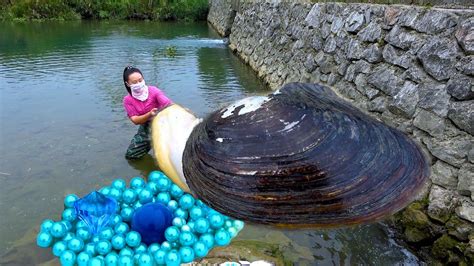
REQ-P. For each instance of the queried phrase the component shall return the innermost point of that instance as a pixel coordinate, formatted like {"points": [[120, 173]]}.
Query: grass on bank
{"points": [[103, 9]]}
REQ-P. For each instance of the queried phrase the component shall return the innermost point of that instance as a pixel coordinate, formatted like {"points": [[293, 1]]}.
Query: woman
{"points": [[141, 104]]}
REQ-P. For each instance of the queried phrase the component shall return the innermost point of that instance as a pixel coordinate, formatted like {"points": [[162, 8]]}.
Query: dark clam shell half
{"points": [[304, 158]]}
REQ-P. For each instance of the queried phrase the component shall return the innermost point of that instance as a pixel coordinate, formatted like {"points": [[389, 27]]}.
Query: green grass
{"points": [[103, 9]]}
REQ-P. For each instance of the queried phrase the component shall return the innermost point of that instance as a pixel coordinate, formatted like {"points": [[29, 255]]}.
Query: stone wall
{"points": [[411, 67]]}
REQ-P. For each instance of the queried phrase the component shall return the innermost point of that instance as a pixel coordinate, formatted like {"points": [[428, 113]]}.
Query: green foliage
{"points": [[171, 51], [104, 9], [41, 9]]}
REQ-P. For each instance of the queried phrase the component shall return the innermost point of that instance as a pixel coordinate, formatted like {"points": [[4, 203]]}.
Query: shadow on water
{"points": [[144, 165], [62, 81]]}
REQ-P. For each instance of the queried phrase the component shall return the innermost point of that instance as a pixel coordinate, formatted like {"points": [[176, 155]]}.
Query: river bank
{"points": [[411, 67], [190, 10]]}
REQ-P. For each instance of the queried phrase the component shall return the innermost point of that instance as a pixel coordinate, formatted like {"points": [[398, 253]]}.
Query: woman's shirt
{"points": [[156, 99]]}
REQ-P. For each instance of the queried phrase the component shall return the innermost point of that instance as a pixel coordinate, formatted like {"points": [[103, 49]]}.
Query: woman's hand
{"points": [[142, 119], [154, 112]]}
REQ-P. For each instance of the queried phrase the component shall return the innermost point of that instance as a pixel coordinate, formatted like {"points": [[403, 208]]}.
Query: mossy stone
{"points": [[442, 245], [458, 228], [249, 250], [413, 217], [415, 235]]}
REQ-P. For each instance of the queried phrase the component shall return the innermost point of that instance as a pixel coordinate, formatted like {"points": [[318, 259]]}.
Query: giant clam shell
{"points": [[302, 157]]}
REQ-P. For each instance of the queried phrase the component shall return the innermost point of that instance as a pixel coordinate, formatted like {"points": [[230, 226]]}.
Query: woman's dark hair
{"points": [[129, 70]]}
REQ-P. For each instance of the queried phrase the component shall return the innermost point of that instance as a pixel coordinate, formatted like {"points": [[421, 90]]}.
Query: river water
{"points": [[63, 128]]}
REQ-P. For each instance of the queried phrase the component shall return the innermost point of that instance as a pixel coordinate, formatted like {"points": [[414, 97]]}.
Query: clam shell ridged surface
{"points": [[302, 157]]}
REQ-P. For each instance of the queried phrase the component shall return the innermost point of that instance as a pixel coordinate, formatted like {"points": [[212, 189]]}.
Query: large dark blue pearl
{"points": [[151, 221]]}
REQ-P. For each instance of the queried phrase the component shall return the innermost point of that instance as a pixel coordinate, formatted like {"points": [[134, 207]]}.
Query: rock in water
{"points": [[301, 157]]}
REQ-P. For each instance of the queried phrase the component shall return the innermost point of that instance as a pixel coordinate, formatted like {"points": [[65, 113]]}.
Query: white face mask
{"points": [[139, 91]]}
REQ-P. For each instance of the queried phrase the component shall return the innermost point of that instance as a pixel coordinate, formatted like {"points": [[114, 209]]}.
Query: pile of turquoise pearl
{"points": [[195, 230]]}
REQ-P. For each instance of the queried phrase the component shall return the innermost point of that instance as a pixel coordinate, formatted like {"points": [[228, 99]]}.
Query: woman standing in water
{"points": [[141, 104]]}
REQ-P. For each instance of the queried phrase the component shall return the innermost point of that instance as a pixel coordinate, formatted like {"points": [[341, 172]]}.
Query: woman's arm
{"points": [[142, 119]]}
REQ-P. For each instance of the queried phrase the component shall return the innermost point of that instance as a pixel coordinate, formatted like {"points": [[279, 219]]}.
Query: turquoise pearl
{"points": [[145, 260], [81, 224], [90, 249], [58, 248], [153, 248], [68, 237], [105, 191], [216, 220], [67, 224], [166, 246], [103, 247], [163, 184], [67, 258], [186, 201], [207, 239], [137, 182], [83, 234], [138, 190], [155, 175], [222, 238], [191, 226], [175, 191], [145, 196], [163, 197], [121, 228], [181, 213], [116, 194], [46, 225], [232, 231], [228, 223], [173, 205], [119, 184], [173, 258], [186, 238], [239, 225], [125, 261], [129, 196], [200, 249], [116, 218], [133, 239], [127, 214], [135, 258], [75, 244], [126, 252], [58, 230], [186, 254], [178, 221], [83, 258], [142, 248], [153, 187], [186, 228], [201, 204], [195, 213], [111, 259], [201, 225], [160, 256], [69, 200], [44, 239], [96, 261], [107, 233], [137, 205], [95, 239], [172, 233], [118, 242]]}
